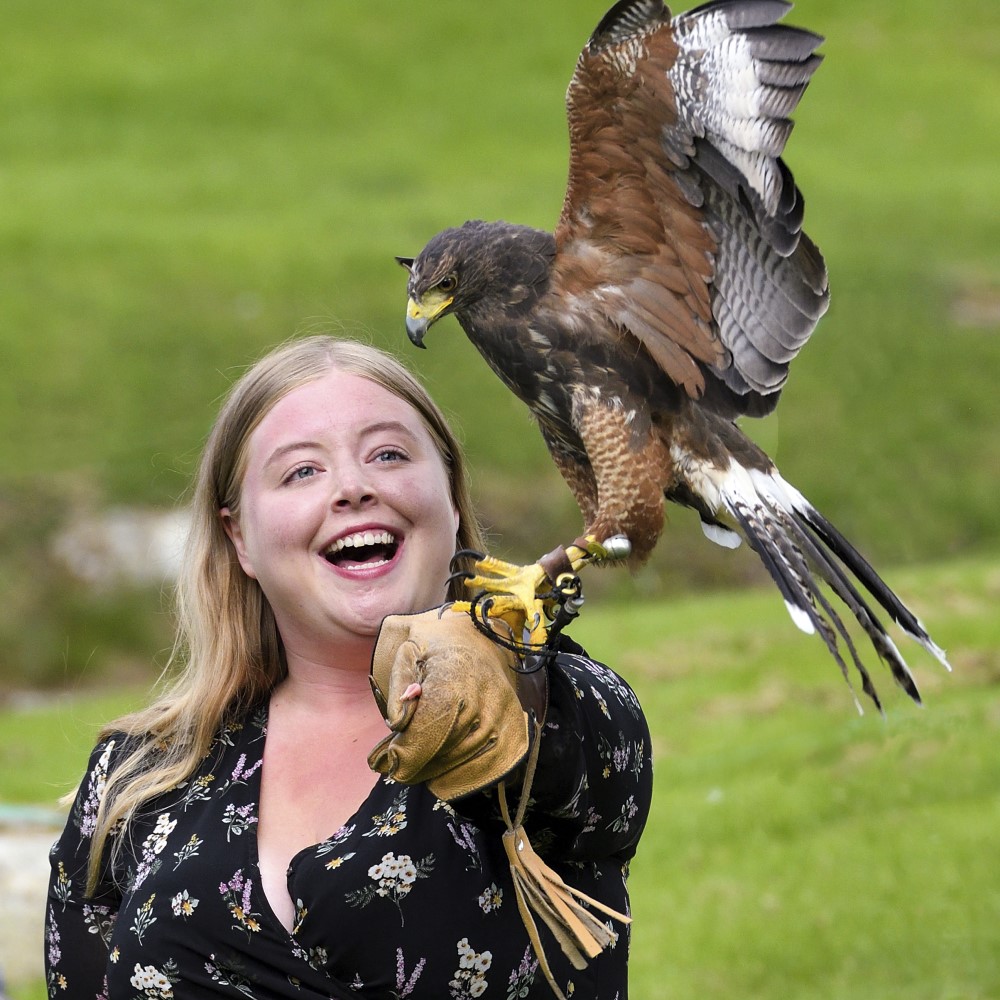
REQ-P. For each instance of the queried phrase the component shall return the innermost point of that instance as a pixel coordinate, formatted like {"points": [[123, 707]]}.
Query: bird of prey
{"points": [[675, 292]]}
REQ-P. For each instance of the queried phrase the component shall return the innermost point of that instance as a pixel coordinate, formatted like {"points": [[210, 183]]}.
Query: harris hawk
{"points": [[671, 299]]}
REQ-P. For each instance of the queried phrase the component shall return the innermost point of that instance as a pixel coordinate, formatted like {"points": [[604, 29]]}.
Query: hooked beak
{"points": [[416, 325], [420, 314]]}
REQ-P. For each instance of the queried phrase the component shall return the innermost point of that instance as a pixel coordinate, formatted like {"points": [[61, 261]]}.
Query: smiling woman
{"points": [[235, 835]]}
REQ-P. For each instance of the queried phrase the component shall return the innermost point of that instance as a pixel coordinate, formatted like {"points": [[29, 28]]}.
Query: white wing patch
{"points": [[726, 92]]}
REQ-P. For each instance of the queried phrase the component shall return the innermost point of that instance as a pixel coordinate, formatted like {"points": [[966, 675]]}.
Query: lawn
{"points": [[796, 849], [186, 184]]}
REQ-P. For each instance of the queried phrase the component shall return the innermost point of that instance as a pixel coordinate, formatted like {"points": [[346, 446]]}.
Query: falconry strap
{"points": [[540, 890]]}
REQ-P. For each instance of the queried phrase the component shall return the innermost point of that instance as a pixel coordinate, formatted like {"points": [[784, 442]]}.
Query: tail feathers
{"points": [[873, 583], [802, 551], [782, 554]]}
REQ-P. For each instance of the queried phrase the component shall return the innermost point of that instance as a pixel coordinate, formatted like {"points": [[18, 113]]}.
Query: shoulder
{"points": [[590, 677]]}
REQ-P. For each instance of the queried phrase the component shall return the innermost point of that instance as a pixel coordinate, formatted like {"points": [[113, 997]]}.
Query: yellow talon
{"points": [[515, 589], [522, 595]]}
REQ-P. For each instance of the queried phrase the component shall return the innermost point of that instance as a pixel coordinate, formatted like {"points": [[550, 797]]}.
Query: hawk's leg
{"points": [[526, 597]]}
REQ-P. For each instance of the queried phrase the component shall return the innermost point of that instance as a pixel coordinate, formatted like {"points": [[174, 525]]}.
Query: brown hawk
{"points": [[675, 292]]}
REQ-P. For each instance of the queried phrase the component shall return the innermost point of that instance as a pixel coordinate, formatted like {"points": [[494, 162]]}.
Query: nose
{"points": [[353, 491]]}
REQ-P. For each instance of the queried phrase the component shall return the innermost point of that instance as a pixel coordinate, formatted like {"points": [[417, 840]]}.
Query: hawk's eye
{"points": [[448, 283]]}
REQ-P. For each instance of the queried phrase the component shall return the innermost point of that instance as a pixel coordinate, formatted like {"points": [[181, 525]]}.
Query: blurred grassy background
{"points": [[185, 184]]}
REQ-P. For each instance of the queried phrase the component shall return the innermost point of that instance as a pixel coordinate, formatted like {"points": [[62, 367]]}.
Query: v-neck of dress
{"points": [[256, 781]]}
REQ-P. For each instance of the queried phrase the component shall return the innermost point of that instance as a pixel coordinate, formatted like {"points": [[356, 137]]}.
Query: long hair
{"points": [[227, 653]]}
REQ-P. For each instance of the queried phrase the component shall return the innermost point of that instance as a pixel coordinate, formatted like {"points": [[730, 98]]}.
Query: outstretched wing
{"points": [[681, 223]]}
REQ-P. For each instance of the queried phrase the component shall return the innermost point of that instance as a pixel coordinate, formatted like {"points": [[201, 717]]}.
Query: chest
{"points": [[312, 780]]}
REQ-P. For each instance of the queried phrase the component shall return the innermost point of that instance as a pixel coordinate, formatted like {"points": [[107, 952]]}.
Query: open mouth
{"points": [[363, 548]]}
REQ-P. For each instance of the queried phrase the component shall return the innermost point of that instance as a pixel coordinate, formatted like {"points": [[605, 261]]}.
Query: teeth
{"points": [[361, 538]]}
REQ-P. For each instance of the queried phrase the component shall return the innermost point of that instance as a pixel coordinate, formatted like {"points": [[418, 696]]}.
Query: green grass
{"points": [[46, 740], [795, 850], [185, 185]]}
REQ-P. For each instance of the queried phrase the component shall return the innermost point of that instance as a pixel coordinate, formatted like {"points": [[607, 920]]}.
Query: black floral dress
{"points": [[410, 898]]}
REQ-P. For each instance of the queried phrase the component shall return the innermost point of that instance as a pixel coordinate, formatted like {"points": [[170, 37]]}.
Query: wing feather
{"points": [[677, 127]]}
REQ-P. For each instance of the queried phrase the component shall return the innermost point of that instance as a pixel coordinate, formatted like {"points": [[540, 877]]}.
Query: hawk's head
{"points": [[480, 263], [436, 275]]}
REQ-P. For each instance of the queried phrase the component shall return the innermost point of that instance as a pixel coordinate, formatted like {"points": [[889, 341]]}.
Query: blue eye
{"points": [[390, 455], [302, 472]]}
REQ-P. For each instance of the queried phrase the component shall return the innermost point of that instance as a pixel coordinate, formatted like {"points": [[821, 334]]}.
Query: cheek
{"points": [[429, 502], [268, 530]]}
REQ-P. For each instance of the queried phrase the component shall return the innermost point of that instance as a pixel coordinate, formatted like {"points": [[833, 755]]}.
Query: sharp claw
{"points": [[466, 554], [462, 574], [525, 598]]}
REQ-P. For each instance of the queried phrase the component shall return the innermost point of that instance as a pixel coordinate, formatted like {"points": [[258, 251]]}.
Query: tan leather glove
{"points": [[449, 695]]}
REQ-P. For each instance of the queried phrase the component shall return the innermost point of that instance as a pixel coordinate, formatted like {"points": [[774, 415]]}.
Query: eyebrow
{"points": [[376, 428]]}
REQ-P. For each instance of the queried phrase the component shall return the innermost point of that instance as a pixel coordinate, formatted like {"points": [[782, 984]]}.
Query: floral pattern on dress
{"points": [[155, 983], [411, 899], [469, 979], [394, 878]]}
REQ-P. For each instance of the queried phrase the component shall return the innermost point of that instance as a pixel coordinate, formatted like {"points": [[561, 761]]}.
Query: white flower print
{"points": [[469, 979], [183, 905], [164, 827], [154, 983], [152, 847], [87, 819], [491, 898], [394, 878]]}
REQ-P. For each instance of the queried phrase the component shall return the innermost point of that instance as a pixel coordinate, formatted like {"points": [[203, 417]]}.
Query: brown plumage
{"points": [[676, 290]]}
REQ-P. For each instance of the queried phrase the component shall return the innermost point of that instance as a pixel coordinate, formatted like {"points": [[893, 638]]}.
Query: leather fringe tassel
{"points": [[540, 889]]}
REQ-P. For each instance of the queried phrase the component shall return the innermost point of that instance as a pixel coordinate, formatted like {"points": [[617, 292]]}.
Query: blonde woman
{"points": [[232, 839]]}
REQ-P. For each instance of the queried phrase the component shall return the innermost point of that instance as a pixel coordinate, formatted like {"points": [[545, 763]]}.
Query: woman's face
{"points": [[345, 514]]}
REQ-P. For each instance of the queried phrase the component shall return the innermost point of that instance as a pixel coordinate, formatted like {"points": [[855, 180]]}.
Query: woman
{"points": [[231, 839]]}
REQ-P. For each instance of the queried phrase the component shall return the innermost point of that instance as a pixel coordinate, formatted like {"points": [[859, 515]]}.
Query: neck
{"points": [[320, 681]]}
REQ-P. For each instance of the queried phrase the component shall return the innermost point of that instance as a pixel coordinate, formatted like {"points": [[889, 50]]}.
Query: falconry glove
{"points": [[462, 709]]}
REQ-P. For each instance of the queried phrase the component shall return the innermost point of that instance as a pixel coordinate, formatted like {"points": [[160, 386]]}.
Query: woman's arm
{"points": [[593, 783], [594, 779], [78, 927]]}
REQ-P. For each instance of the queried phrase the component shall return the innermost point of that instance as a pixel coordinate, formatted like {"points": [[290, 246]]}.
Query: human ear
{"points": [[232, 528]]}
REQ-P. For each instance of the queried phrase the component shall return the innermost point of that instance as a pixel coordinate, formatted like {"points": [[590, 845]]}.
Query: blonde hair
{"points": [[227, 644]]}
